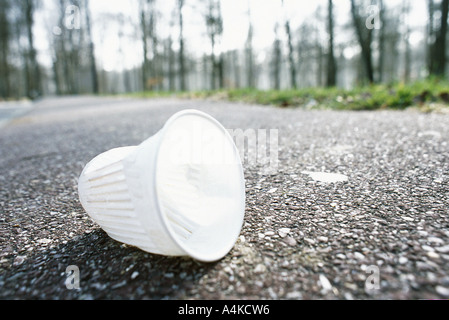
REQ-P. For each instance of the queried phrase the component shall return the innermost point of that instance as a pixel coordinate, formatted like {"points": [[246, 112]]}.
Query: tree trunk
{"points": [[206, 72], [319, 72], [213, 62], [407, 49], [438, 58], [182, 69], [291, 58], [236, 64], [382, 38], [34, 84], [56, 77], [291, 53], [277, 61], [143, 26], [214, 23], [249, 56], [430, 35], [171, 64], [61, 58], [92, 60], [74, 62], [5, 87], [221, 74], [364, 37], [331, 79]]}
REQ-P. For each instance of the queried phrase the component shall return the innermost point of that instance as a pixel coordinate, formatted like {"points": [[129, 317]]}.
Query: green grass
{"points": [[152, 94], [425, 95]]}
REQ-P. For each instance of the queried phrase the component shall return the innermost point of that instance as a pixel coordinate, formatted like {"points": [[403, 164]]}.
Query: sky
{"points": [[264, 15]]}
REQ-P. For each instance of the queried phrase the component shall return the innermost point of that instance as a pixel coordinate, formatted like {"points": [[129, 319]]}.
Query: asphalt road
{"points": [[12, 110], [381, 232]]}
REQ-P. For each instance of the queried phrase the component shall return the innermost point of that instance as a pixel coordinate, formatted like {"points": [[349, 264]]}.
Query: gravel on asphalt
{"points": [[357, 208]]}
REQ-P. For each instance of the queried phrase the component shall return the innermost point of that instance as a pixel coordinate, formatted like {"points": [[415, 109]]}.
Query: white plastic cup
{"points": [[179, 193]]}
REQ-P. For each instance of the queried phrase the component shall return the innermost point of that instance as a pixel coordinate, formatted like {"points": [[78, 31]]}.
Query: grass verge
{"points": [[426, 95]]}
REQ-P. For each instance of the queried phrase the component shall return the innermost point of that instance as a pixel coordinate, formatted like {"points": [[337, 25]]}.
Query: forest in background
{"points": [[377, 34]]}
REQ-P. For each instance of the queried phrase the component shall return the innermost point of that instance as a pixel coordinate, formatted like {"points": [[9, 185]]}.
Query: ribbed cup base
{"points": [[105, 196]]}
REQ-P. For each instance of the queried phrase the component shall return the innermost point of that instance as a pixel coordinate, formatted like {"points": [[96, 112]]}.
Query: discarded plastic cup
{"points": [[179, 193]]}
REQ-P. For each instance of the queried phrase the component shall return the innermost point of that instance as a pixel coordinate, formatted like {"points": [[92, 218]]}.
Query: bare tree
{"points": [[147, 28], [234, 58], [67, 46], [33, 73], [406, 38], [331, 79], [5, 33], [364, 37], [92, 60], [305, 45], [75, 44], [318, 57], [171, 60], [438, 48], [181, 54], [389, 38], [61, 59], [249, 53], [382, 40], [277, 59], [214, 23], [291, 52], [430, 33]]}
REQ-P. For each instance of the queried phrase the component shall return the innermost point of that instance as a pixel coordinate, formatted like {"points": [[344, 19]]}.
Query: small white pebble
{"points": [[325, 283], [403, 260], [428, 248], [260, 268], [442, 291], [283, 232], [433, 254], [359, 256], [309, 241], [322, 239]]}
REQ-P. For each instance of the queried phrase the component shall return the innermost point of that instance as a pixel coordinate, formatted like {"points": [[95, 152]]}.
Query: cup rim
{"points": [[192, 253]]}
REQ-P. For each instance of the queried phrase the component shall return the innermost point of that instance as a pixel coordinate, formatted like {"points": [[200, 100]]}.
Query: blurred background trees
{"points": [[73, 47]]}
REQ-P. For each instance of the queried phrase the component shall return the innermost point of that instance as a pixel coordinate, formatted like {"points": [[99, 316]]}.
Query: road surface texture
{"points": [[382, 233]]}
